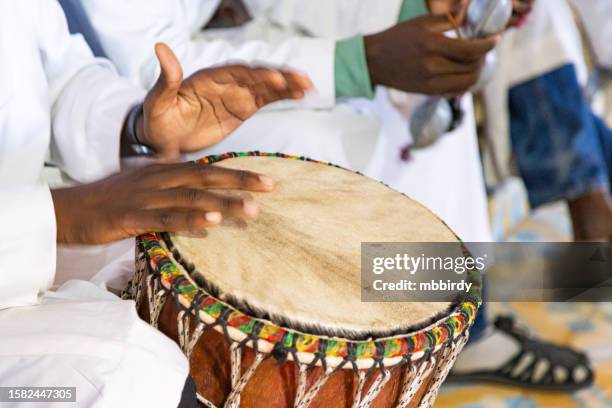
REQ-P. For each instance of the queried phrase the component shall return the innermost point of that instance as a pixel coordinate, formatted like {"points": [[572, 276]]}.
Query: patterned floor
{"points": [[585, 326]]}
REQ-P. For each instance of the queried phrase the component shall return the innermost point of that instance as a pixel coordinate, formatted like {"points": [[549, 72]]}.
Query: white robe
{"points": [[596, 16], [55, 95], [128, 29]]}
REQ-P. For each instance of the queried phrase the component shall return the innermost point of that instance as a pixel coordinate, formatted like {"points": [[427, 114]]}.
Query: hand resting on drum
{"points": [[161, 197], [188, 115]]}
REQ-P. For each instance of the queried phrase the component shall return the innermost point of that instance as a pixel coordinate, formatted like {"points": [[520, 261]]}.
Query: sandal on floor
{"points": [[538, 365]]}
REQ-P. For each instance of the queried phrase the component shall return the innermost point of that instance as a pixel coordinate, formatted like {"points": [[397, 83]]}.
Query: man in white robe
{"points": [[55, 96]]}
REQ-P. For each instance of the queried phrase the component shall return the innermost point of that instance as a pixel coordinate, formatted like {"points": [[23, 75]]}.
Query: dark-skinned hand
{"points": [[182, 116], [415, 56], [442, 7], [161, 197]]}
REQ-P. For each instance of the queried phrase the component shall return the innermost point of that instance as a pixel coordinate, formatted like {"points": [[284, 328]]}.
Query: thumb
{"points": [[170, 79], [460, 11]]}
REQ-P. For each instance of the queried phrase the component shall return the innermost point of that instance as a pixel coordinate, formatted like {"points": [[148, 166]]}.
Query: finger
{"points": [[202, 200], [264, 88], [295, 86], [298, 84], [266, 85], [461, 11], [165, 90], [462, 50], [298, 81], [292, 86], [263, 95], [271, 77], [436, 66], [436, 24], [198, 175], [243, 75], [169, 220]]}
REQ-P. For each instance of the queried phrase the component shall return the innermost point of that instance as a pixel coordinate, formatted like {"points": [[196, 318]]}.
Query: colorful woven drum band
{"points": [[285, 342]]}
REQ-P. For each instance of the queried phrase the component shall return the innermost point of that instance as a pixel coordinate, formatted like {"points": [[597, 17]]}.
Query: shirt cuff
{"points": [[351, 73], [104, 132], [413, 8]]}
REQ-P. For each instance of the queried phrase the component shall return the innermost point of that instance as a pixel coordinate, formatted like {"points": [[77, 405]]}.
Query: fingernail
{"points": [[250, 208], [267, 181], [213, 217]]}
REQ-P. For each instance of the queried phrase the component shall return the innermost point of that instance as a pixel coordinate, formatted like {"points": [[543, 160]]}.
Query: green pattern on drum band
{"points": [[172, 279]]}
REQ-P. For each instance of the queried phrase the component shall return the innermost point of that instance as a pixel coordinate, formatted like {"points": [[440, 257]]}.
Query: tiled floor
{"points": [[585, 326]]}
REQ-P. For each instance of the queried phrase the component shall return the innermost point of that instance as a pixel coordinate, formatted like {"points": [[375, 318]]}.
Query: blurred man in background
{"points": [[562, 149], [55, 96]]}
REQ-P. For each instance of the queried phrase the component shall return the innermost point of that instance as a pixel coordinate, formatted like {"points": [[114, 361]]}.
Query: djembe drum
{"points": [[269, 313]]}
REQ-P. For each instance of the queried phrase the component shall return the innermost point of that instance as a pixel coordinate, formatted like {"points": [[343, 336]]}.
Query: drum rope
{"points": [[157, 298], [375, 389], [204, 401], [301, 388], [133, 291], [446, 362], [362, 380], [188, 338], [415, 374], [413, 379], [138, 279], [233, 400], [406, 394], [236, 367], [312, 392]]}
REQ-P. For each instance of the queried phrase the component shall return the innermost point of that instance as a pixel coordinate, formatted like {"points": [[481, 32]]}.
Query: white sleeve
{"points": [[596, 16], [89, 101], [27, 250], [128, 31], [333, 19], [548, 40]]}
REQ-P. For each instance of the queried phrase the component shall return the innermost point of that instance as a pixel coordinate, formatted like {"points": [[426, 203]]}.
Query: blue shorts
{"points": [[561, 148]]}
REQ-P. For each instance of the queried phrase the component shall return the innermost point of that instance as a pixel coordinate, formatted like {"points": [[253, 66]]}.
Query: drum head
{"points": [[299, 264]]}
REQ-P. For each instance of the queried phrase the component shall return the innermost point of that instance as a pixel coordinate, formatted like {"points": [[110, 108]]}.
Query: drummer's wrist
{"points": [[133, 136], [61, 204]]}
